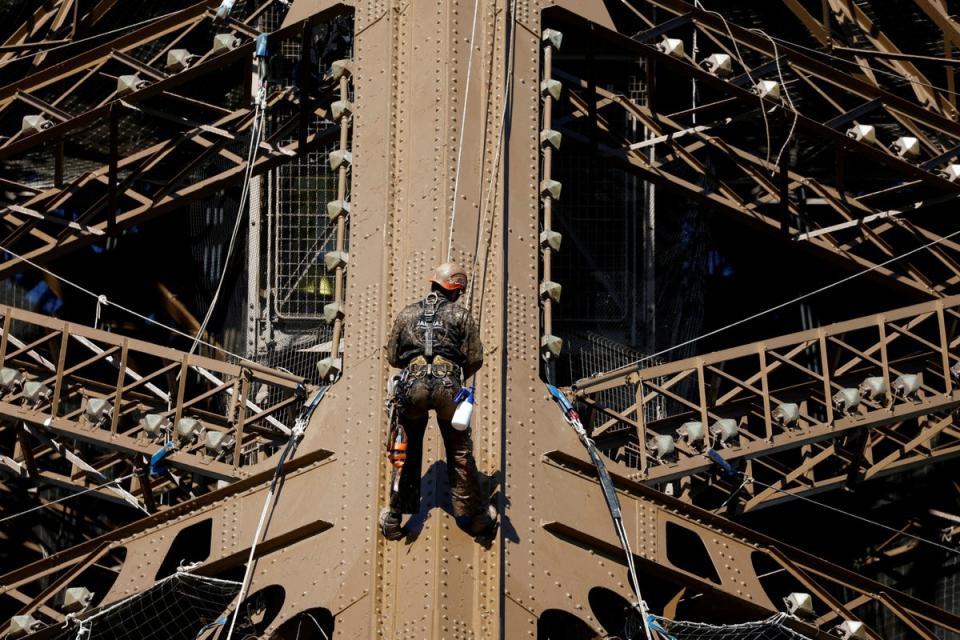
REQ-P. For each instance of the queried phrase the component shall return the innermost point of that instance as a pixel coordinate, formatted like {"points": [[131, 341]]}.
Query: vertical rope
{"points": [[463, 119]]}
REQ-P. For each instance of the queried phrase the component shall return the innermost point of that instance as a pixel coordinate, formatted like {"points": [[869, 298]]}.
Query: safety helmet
{"points": [[450, 276]]}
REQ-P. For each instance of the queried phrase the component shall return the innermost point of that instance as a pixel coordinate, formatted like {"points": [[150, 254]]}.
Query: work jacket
{"points": [[456, 336]]}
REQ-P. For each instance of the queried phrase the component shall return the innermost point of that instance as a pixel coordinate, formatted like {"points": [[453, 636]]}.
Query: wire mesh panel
{"points": [[181, 606], [774, 628], [303, 235]]}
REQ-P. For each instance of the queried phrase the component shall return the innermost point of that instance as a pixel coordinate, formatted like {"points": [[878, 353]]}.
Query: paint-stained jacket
{"points": [[456, 336]]}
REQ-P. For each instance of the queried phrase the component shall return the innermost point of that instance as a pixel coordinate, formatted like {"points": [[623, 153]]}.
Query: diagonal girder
{"points": [[852, 228]]}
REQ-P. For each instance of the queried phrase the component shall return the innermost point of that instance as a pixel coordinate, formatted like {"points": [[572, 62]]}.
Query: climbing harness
{"points": [[431, 304], [609, 494]]}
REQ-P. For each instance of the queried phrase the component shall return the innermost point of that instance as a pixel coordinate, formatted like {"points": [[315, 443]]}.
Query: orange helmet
{"points": [[450, 276]]}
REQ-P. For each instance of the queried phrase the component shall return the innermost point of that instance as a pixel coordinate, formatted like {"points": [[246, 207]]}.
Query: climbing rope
{"points": [[463, 120], [609, 494]]}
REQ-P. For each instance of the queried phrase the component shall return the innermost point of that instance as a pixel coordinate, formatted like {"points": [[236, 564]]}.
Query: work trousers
{"points": [[416, 396]]}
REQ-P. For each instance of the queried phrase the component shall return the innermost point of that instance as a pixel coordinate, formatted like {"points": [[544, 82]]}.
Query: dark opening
{"points": [[259, 610], [555, 624], [191, 545], [312, 624], [686, 551], [610, 609]]}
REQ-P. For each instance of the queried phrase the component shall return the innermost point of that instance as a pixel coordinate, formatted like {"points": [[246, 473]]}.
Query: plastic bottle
{"points": [[461, 417]]}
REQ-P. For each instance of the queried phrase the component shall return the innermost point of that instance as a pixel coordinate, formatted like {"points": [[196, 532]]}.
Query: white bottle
{"points": [[461, 417]]}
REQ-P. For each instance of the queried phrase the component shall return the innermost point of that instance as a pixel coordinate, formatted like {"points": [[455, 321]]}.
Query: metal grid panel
{"points": [[303, 234]]}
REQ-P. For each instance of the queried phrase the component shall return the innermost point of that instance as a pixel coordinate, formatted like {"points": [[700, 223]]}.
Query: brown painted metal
{"points": [[555, 545]]}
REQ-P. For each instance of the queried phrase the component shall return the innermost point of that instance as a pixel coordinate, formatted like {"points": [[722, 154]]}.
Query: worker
{"points": [[436, 343]]}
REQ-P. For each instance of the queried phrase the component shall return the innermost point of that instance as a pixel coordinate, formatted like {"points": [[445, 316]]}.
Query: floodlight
{"points": [[661, 446], [97, 409], [155, 424], [188, 428], [76, 599], [767, 89], [786, 414], [800, 605], [34, 124], [863, 133], [725, 430], [692, 432], [846, 400], [906, 385], [719, 64], [874, 388], [673, 47]]}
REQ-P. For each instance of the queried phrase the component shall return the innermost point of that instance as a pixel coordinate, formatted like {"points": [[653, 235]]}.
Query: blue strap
{"points": [[157, 458], [561, 399], [727, 470]]}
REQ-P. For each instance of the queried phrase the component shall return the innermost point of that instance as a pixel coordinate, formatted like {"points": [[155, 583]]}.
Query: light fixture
{"points": [[767, 89], [719, 64], [550, 289], [35, 392], [551, 87], [725, 430], [76, 599], [906, 147], [334, 260], [661, 446], [188, 428], [340, 68], [130, 83], [851, 630], [800, 605], [950, 172], [551, 137], [340, 108], [863, 133], [873, 388], [23, 625], [692, 432], [217, 441], [155, 424], [553, 239], [551, 346], [97, 409], [332, 311], [179, 59], [337, 208], [340, 157], [673, 47], [223, 42], [552, 37], [906, 385], [34, 124], [10, 379], [328, 368], [846, 400], [786, 414], [550, 189]]}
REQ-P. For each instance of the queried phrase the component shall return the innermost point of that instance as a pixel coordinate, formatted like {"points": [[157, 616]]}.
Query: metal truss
{"points": [[818, 203], [801, 413], [83, 406], [59, 27], [160, 117], [740, 567]]}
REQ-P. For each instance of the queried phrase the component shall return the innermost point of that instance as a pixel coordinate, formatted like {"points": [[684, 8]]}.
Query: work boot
{"points": [[484, 523], [390, 525]]}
